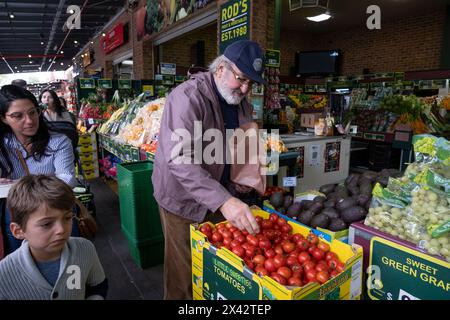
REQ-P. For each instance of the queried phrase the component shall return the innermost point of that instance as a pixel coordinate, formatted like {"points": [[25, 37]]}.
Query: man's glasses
{"points": [[19, 116], [241, 80]]}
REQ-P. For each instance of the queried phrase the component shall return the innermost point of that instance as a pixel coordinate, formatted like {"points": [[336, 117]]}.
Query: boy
{"points": [[49, 264]]}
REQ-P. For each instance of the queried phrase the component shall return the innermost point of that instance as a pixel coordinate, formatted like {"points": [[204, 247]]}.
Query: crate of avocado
{"points": [[333, 207]]}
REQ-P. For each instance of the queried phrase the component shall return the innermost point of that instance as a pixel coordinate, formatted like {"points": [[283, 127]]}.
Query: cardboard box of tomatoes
{"points": [[285, 261]]}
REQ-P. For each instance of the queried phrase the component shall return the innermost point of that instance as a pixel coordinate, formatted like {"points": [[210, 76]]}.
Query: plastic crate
{"points": [[139, 212], [147, 253]]}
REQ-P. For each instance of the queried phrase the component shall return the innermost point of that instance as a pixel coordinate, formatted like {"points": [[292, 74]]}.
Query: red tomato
{"points": [[238, 250], [227, 234], [340, 267], [285, 236], [311, 249], [311, 275], [217, 237], [333, 273], [258, 219], [302, 245], [303, 257], [276, 227], [318, 254], [290, 261], [273, 217], [285, 272], [323, 246], [260, 271], [249, 263], [218, 244], [234, 243], [220, 226], [206, 228], [265, 244], [259, 259], [331, 255], [297, 274], [277, 240], [240, 238], [309, 265], [250, 252], [270, 253], [313, 239], [294, 253], [227, 242], [281, 221], [233, 229], [269, 265], [296, 237], [297, 268], [278, 278], [267, 224], [294, 281], [333, 263], [287, 228], [279, 261], [321, 267], [288, 247], [278, 249], [245, 233], [237, 233], [252, 240], [322, 277]]}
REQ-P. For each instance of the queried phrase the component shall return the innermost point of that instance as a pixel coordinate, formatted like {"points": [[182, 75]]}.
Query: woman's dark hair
{"points": [[63, 103], [8, 94], [59, 108]]}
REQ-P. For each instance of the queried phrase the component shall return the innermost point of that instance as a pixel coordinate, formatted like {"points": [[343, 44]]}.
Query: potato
{"points": [[432, 196]]}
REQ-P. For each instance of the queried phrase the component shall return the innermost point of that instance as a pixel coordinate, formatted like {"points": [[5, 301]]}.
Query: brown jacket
{"points": [[190, 190]]}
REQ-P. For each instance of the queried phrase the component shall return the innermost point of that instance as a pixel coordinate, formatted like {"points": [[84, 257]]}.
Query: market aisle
{"points": [[126, 279]]}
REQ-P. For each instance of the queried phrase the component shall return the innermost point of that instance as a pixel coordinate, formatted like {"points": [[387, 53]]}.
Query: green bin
{"points": [[139, 213]]}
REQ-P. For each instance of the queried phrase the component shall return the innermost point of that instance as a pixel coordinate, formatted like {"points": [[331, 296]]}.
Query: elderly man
{"points": [[187, 192]]}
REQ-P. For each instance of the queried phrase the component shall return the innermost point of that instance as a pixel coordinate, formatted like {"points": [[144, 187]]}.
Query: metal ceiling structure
{"points": [[33, 37]]}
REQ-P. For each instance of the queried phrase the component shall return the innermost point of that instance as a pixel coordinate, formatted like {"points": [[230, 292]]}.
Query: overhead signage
{"points": [[86, 83], [234, 22], [273, 58], [104, 83], [113, 39], [124, 84], [168, 68]]}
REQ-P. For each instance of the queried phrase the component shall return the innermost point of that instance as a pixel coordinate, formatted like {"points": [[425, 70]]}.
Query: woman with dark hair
{"points": [[27, 144], [55, 111]]}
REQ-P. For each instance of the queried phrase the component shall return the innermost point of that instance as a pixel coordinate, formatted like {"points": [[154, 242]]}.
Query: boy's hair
{"points": [[31, 191]]}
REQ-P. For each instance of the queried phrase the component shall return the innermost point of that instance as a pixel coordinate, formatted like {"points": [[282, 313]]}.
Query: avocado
{"points": [[327, 188], [329, 203], [337, 225], [288, 202], [353, 214], [305, 217], [277, 199], [321, 220], [293, 210], [330, 212], [345, 203], [306, 204], [319, 199]]}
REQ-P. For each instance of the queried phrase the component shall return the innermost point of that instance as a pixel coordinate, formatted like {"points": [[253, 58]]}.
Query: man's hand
{"points": [[239, 215]]}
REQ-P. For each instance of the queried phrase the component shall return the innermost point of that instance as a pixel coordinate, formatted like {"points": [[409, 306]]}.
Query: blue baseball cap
{"points": [[248, 57]]}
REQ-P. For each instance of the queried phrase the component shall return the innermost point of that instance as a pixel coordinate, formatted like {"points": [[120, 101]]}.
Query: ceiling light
{"points": [[29, 56], [49, 59], [15, 67], [71, 11], [42, 43], [103, 34], [92, 42], [30, 62], [62, 63], [75, 41], [11, 16], [320, 17], [61, 52]]}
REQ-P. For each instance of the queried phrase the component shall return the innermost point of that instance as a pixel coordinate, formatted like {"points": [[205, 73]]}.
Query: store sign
{"points": [[234, 22], [168, 80], [300, 162], [321, 88], [104, 83], [86, 83], [180, 79], [310, 88], [169, 68], [149, 90], [273, 58], [124, 84], [438, 84], [400, 273], [222, 281], [87, 59], [332, 156], [113, 39], [289, 182]]}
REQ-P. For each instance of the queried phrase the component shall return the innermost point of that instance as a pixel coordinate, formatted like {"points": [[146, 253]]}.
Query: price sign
{"points": [[289, 181]]}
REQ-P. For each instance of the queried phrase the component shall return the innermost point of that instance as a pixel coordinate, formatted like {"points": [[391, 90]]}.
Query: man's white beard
{"points": [[227, 94]]}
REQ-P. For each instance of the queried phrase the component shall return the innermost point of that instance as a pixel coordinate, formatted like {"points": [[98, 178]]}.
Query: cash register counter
{"points": [[314, 161]]}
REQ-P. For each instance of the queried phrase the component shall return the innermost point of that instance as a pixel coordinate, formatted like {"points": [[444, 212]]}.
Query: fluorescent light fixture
{"points": [[320, 17], [127, 62]]}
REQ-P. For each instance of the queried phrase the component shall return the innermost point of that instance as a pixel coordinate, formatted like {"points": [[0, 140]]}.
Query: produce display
{"points": [[337, 205], [95, 107], [302, 100], [416, 207], [290, 259]]}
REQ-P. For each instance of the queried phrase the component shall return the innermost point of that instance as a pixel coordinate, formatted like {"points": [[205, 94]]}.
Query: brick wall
{"points": [[412, 43], [179, 50]]}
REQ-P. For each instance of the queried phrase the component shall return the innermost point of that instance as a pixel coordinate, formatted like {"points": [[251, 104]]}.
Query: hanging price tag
{"points": [[289, 181]]}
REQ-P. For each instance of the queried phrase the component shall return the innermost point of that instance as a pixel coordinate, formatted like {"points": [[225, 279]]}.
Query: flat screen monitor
{"points": [[318, 62]]}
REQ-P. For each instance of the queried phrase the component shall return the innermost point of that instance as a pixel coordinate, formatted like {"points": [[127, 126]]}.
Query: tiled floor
{"points": [[126, 279]]}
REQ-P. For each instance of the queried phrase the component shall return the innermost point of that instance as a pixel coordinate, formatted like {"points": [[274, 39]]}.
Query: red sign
{"points": [[113, 39]]}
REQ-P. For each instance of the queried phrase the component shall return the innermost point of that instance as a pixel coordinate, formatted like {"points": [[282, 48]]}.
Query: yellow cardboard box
{"points": [[220, 274]]}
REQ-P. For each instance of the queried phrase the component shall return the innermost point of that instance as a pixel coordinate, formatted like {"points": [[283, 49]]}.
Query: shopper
{"points": [[64, 105], [54, 111], [27, 144], [20, 83], [48, 262], [187, 192]]}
